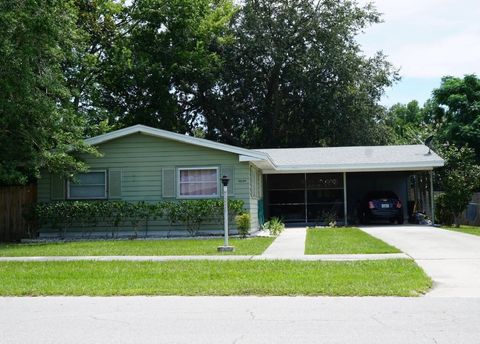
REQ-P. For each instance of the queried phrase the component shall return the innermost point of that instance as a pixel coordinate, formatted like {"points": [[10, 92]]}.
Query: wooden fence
{"points": [[14, 203], [471, 216]]}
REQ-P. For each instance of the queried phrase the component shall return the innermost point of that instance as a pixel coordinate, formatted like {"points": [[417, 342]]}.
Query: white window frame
{"points": [[179, 169], [104, 192]]}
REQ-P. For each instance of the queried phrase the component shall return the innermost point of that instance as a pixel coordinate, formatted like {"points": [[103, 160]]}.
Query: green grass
{"points": [[400, 277], [344, 241], [465, 229], [174, 247]]}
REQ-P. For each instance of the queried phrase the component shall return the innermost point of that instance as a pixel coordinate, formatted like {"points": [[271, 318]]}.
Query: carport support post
{"points": [[345, 198], [432, 197]]}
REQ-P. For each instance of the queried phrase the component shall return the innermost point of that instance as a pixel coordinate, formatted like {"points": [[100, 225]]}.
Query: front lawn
{"points": [[174, 247], [400, 277], [344, 241], [465, 229]]}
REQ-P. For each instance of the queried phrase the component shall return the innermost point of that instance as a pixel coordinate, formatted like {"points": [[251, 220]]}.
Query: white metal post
{"points": [[432, 198], [225, 247], [225, 213], [345, 198]]}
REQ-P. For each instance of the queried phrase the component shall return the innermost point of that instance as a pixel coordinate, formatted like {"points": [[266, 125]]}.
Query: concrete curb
{"points": [[325, 257]]}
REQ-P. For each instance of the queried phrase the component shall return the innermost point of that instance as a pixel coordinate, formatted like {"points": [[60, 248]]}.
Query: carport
{"points": [[308, 183]]}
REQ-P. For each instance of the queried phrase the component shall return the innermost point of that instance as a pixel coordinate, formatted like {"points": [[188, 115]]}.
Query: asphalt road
{"points": [[239, 320]]}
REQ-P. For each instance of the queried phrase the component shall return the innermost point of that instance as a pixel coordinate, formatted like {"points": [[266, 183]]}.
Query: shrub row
{"points": [[63, 215], [443, 214]]}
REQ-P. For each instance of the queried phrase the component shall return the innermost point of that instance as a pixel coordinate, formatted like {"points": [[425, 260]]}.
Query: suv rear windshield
{"points": [[381, 194]]}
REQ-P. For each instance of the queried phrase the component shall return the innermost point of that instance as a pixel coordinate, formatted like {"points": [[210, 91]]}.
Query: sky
{"points": [[426, 39]]}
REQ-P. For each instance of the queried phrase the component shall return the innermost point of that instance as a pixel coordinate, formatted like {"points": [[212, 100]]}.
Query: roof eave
{"points": [[417, 166]]}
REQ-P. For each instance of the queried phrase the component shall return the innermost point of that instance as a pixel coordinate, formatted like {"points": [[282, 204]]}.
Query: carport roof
{"points": [[353, 159]]}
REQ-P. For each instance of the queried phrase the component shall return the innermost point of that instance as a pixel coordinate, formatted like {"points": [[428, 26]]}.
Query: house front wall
{"points": [[144, 163]]}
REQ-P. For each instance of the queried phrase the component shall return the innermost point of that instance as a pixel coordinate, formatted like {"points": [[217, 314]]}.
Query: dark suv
{"points": [[381, 205]]}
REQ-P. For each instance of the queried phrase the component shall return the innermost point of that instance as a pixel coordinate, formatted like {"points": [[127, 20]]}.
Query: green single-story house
{"points": [[141, 163]]}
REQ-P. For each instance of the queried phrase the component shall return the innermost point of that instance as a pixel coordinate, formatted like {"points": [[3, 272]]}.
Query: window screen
{"points": [[90, 185]]}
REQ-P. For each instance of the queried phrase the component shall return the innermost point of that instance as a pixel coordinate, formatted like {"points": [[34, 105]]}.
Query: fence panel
{"points": [[471, 216], [14, 201]]}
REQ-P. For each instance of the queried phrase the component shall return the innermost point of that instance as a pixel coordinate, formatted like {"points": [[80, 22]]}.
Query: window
{"points": [[90, 185], [198, 182]]}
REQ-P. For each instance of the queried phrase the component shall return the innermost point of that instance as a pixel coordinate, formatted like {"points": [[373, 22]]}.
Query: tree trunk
{"points": [[272, 108], [456, 220]]}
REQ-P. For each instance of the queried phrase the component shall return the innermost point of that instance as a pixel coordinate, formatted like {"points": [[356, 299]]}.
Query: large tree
{"points": [[408, 122], [456, 111], [452, 115], [296, 76], [458, 180], [38, 127], [170, 48], [100, 25]]}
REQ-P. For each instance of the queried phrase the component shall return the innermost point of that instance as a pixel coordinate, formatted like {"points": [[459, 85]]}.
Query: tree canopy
{"points": [[452, 115], [295, 76], [458, 180], [256, 73], [171, 48], [456, 111], [38, 127]]}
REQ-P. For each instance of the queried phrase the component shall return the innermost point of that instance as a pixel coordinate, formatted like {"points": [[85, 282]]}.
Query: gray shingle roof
{"points": [[401, 157]]}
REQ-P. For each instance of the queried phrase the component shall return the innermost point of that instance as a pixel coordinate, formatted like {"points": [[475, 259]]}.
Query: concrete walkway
{"points": [[451, 258], [291, 243]]}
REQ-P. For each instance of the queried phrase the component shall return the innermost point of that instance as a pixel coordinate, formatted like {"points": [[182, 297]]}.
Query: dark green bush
{"points": [[62, 215], [443, 214], [243, 224], [192, 213]]}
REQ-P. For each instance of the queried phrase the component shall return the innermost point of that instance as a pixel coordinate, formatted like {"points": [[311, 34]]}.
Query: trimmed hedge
{"points": [[63, 215]]}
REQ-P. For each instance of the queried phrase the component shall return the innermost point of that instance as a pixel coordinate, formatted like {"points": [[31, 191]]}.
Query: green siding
{"points": [[143, 159], [255, 193], [57, 188], [168, 186], [115, 184], [43, 187], [228, 171]]}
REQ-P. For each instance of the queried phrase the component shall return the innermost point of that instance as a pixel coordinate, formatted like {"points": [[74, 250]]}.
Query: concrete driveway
{"points": [[451, 258]]}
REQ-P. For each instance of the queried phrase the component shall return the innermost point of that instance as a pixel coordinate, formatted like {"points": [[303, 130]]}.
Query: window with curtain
{"points": [[198, 182], [90, 185]]}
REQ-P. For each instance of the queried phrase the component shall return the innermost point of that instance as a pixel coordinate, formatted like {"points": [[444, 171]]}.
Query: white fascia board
{"points": [[260, 163], [387, 167], [175, 137], [243, 158]]}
